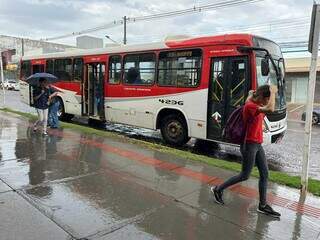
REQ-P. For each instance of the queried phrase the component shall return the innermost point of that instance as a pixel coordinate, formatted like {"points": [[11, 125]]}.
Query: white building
{"points": [[88, 42], [297, 76]]}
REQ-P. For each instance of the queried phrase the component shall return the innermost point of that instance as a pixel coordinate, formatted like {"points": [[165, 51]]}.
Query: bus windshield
{"points": [[272, 79], [276, 55]]}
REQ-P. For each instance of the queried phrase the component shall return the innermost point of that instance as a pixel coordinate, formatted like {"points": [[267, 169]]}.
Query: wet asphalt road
{"points": [[70, 186], [285, 156]]}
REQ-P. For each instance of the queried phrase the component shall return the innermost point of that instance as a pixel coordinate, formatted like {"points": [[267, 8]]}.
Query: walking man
{"points": [[257, 104], [54, 104]]}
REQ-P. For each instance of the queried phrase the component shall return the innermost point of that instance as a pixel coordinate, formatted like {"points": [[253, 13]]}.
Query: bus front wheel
{"points": [[174, 130]]}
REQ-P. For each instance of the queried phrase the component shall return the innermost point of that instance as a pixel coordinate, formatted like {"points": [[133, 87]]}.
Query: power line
{"points": [[194, 9], [271, 26], [219, 5]]}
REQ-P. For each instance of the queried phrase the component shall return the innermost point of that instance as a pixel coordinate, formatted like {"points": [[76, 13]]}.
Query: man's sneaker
{"points": [[217, 195], [266, 209], [44, 134]]}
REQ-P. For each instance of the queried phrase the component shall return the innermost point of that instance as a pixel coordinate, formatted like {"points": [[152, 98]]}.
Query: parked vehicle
{"points": [[315, 116], [12, 84], [186, 88]]}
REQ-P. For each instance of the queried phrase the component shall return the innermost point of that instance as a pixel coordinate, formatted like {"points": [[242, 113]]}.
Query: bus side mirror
{"points": [[265, 66]]}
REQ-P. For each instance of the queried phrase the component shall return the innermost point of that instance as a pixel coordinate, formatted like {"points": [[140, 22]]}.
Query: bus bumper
{"points": [[275, 136]]}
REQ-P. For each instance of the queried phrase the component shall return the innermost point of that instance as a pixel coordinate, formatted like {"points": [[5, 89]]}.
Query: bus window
{"points": [[114, 69], [139, 69], [63, 69], [218, 80], [77, 69], [37, 68], [238, 83], [50, 66], [179, 68], [25, 69]]}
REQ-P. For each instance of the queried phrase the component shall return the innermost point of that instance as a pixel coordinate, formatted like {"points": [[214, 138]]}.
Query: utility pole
{"points": [[22, 47], [313, 48], [2, 79], [125, 30]]}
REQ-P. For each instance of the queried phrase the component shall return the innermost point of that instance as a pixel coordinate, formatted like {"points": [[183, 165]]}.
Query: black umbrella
{"points": [[34, 78]]}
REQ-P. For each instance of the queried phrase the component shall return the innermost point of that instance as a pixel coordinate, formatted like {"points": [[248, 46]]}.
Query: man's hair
{"points": [[263, 91]]}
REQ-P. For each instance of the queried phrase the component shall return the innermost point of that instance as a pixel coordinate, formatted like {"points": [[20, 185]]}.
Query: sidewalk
{"points": [[73, 186]]}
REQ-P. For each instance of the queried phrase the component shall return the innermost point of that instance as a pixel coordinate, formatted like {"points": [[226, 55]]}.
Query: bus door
{"points": [[93, 91], [228, 87]]}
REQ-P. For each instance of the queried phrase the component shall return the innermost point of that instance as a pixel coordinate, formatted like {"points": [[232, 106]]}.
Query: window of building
{"points": [[63, 69], [114, 69], [77, 69], [50, 66], [179, 68], [25, 69], [139, 69]]}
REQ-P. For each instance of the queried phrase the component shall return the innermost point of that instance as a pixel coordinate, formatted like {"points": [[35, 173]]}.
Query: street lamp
{"points": [[114, 41]]}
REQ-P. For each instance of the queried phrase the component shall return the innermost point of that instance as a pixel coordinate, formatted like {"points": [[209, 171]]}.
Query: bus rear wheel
{"points": [[63, 116], [174, 130]]}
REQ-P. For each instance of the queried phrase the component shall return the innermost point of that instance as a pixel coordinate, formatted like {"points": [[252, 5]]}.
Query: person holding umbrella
{"points": [[41, 97]]}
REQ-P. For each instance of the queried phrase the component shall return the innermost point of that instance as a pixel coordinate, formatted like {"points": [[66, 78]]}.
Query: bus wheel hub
{"points": [[174, 129]]}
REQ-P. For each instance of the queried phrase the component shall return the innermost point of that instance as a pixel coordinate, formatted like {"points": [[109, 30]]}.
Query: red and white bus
{"points": [[186, 88]]}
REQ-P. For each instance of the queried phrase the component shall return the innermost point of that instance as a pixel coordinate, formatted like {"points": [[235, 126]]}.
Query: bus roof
{"points": [[239, 39]]}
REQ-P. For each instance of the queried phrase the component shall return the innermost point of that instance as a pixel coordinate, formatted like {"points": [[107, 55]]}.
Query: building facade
{"points": [[297, 77], [88, 42]]}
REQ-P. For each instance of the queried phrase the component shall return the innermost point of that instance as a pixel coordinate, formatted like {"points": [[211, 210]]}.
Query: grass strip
{"points": [[274, 176]]}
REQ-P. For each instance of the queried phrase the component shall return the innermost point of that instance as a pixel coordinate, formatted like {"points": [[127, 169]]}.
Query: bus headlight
{"points": [[265, 127]]}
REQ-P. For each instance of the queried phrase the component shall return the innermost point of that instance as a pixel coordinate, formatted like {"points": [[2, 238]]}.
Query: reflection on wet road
{"points": [[76, 186]]}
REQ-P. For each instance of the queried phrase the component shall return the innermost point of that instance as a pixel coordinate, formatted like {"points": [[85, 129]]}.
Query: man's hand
{"points": [[251, 92], [273, 89]]}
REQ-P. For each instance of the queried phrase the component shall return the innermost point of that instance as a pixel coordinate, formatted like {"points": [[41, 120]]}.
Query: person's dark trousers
{"points": [[53, 120], [252, 153]]}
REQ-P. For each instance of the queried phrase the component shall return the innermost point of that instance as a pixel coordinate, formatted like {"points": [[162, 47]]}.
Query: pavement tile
{"points": [[42, 168], [131, 232], [181, 222], [95, 204], [4, 187], [241, 210], [21, 221], [163, 181]]}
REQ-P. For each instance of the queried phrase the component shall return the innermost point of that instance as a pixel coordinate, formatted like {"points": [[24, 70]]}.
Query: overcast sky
{"points": [[46, 18]]}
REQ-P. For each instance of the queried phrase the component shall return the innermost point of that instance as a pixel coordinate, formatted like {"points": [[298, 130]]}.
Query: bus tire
{"points": [[174, 130], [63, 116]]}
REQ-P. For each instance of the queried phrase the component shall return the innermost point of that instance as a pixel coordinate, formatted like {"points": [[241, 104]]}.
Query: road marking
{"points": [[295, 109]]}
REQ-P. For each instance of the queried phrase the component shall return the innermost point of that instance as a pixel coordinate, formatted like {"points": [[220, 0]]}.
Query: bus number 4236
{"points": [[172, 102]]}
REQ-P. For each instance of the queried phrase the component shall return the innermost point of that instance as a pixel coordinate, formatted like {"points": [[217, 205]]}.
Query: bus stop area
{"points": [[70, 185]]}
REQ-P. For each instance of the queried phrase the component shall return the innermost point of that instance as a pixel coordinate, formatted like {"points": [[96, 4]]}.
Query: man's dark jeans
{"points": [[53, 119], [252, 153]]}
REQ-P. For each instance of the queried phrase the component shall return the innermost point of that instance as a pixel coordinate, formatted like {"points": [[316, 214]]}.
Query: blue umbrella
{"points": [[34, 78]]}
